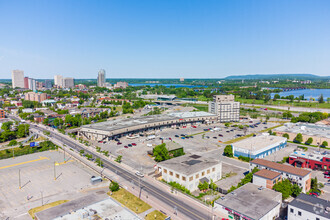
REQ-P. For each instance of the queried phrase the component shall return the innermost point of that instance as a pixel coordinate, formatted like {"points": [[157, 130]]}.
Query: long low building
{"points": [[116, 128], [259, 146]]}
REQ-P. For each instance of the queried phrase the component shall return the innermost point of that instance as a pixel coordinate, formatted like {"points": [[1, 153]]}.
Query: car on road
{"points": [[119, 143], [206, 129], [182, 135], [134, 144], [139, 174], [176, 136]]}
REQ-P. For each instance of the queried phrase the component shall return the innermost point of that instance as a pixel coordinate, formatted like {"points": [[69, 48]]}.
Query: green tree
{"points": [[286, 135], [299, 138], [46, 121], [228, 151], [324, 144], [203, 186], [321, 99], [314, 184], [296, 190], [284, 187], [114, 186], [309, 141], [276, 96], [160, 153], [6, 125], [118, 159], [23, 130], [12, 143]]}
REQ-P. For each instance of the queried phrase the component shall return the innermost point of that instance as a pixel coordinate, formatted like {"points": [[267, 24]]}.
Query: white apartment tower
{"points": [[225, 107], [58, 80], [17, 77], [101, 78], [68, 82]]}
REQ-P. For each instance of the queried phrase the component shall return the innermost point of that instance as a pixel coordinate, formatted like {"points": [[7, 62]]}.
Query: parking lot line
{"points": [[30, 161], [57, 164]]}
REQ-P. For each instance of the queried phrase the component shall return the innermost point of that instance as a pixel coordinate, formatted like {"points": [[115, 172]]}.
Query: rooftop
{"points": [[251, 201], [172, 146], [113, 125], [312, 204], [307, 155], [258, 142], [267, 174], [306, 129], [281, 167], [189, 164]]}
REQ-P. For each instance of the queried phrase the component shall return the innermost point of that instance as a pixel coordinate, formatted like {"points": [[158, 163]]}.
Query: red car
{"points": [[184, 126], [119, 143], [313, 194], [327, 176], [125, 147], [100, 141], [134, 144], [170, 138], [326, 173], [194, 126]]}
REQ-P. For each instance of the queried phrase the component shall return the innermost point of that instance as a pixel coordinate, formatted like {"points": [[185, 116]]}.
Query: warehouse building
{"points": [[298, 176], [190, 170], [127, 126], [310, 160], [250, 202], [225, 107], [308, 207], [318, 132], [259, 146]]}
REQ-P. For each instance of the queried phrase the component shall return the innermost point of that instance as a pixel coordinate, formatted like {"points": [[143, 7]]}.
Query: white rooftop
{"points": [[306, 129], [258, 142]]}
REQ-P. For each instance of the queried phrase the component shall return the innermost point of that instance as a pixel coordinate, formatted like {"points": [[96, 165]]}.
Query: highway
{"points": [[182, 207]]}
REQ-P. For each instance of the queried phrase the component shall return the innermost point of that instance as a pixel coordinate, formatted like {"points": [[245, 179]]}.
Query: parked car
{"points": [[125, 147], [117, 139], [215, 137], [176, 136], [326, 173], [313, 194], [194, 126], [134, 144], [100, 141], [327, 176], [119, 143], [220, 135], [183, 138], [170, 138], [139, 174], [129, 145]]}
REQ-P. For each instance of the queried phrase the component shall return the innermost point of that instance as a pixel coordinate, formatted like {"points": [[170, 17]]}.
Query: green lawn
{"points": [[158, 214], [130, 201], [200, 107]]}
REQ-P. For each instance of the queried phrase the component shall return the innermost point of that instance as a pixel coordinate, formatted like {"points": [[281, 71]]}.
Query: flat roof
{"points": [[113, 125], [281, 167], [306, 129], [267, 174], [312, 204], [307, 155], [258, 142], [251, 201], [171, 145], [189, 164]]}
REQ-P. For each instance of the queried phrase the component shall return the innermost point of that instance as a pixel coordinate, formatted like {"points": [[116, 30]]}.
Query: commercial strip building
{"points": [[116, 128], [101, 78], [266, 178], [298, 176], [34, 96], [259, 146], [318, 132], [190, 170], [309, 160], [225, 107], [250, 202], [17, 78], [308, 207]]}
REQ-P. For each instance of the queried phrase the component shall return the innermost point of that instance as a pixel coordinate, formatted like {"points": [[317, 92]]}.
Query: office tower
{"points": [[48, 83], [225, 107], [58, 80], [26, 82], [32, 84], [68, 82], [101, 78], [17, 77]]}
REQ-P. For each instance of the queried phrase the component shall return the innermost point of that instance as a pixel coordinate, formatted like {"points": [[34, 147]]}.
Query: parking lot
{"points": [[36, 174], [202, 138]]}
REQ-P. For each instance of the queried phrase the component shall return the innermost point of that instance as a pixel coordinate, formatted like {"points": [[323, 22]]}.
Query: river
{"points": [[308, 93]]}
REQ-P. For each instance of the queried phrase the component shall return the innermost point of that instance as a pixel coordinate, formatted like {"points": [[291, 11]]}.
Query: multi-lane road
{"points": [[189, 210]]}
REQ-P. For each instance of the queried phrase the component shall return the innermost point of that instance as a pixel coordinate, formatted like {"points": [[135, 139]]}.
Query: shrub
{"points": [[114, 186], [324, 144], [286, 135], [298, 138], [12, 143], [309, 141], [228, 151]]}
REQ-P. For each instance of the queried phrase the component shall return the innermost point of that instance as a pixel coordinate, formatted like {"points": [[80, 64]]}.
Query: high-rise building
{"points": [[101, 78], [68, 82], [32, 84], [58, 80], [26, 82], [17, 77], [48, 84], [225, 107]]}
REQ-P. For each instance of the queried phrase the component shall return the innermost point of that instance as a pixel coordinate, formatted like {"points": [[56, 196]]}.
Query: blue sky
{"points": [[164, 39]]}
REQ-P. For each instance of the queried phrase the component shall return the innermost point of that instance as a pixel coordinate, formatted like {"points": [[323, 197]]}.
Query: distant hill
{"points": [[276, 76]]}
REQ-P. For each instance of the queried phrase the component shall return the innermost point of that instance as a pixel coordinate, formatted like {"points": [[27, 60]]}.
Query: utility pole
{"points": [[19, 178], [54, 171], [13, 153], [42, 199]]}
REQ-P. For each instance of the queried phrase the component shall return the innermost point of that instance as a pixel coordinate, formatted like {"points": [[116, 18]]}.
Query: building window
{"points": [[171, 173], [291, 210], [184, 178], [299, 213], [191, 178], [208, 171], [197, 176], [165, 170], [177, 176], [213, 169], [203, 173]]}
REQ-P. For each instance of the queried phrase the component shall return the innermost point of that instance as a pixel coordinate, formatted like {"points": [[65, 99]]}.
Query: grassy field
{"points": [[200, 107], [47, 206], [159, 215], [284, 103], [130, 201]]}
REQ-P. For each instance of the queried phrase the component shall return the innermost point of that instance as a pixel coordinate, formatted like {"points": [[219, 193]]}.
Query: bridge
{"points": [[293, 88]]}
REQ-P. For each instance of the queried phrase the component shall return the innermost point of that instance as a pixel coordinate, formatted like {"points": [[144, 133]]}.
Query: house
{"points": [[266, 178]]}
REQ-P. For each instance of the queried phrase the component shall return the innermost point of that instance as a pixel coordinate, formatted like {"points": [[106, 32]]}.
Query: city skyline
{"points": [[151, 39]]}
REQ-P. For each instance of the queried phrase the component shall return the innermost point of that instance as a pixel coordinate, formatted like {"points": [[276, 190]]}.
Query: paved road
{"points": [[189, 211]]}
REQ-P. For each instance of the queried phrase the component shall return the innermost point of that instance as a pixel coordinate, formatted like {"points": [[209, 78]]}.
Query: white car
{"points": [[139, 174]]}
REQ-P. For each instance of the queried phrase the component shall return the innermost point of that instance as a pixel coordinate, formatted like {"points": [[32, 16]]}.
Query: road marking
{"points": [[30, 161], [57, 164]]}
